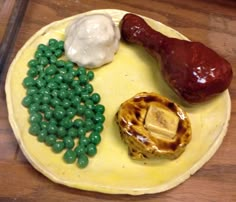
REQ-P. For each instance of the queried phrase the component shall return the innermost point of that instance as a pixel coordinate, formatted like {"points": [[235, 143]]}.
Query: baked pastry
{"points": [[153, 127]]}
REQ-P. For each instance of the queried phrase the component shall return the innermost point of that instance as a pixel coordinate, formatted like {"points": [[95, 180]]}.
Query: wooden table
{"points": [[212, 22]]}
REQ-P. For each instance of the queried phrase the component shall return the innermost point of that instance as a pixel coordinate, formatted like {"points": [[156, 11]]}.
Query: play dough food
{"points": [[153, 127], [112, 170], [92, 40], [193, 71], [64, 110]]}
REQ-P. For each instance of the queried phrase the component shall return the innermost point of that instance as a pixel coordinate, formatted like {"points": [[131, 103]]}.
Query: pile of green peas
{"points": [[64, 111]]}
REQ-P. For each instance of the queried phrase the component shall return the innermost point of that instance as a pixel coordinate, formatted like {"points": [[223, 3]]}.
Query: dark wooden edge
{"points": [[11, 33]]}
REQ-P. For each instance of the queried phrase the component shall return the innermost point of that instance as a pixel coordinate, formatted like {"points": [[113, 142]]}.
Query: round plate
{"points": [[111, 170]]}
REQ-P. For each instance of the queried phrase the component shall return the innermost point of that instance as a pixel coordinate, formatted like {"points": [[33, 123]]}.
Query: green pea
{"points": [[71, 112], [78, 90], [37, 98], [48, 78], [66, 122], [32, 63], [53, 48], [88, 88], [53, 121], [38, 54], [83, 79], [88, 113], [72, 132], [42, 135], [40, 69], [79, 150], [75, 83], [42, 47], [99, 109], [95, 138], [31, 90], [62, 70], [40, 82], [52, 85], [90, 75], [60, 63], [58, 78], [78, 123], [44, 91], [34, 107], [44, 107], [99, 118], [48, 114], [51, 70], [27, 100], [69, 142], [48, 53], [66, 103], [34, 129], [82, 161], [81, 71], [98, 127], [43, 61], [80, 110], [73, 72], [52, 42], [52, 128], [50, 140], [29, 82], [61, 132], [63, 94], [58, 53], [61, 45], [69, 156], [75, 101], [89, 125], [35, 117], [95, 98], [44, 125], [68, 77], [81, 132], [84, 141], [91, 149], [59, 112], [53, 58], [55, 93], [46, 99], [69, 65], [55, 102], [58, 146], [32, 72], [89, 104], [71, 95], [84, 96], [64, 86]]}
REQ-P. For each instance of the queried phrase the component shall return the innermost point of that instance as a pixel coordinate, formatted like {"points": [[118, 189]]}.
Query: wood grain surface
{"points": [[5, 13], [212, 22]]}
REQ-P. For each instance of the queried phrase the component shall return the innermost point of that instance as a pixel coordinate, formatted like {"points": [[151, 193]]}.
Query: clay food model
{"points": [[92, 40], [191, 69], [153, 127]]}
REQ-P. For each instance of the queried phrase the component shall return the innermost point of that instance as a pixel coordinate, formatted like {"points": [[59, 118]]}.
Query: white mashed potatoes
{"points": [[92, 40]]}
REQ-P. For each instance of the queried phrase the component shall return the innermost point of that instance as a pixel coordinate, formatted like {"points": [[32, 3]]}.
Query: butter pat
{"points": [[160, 122]]}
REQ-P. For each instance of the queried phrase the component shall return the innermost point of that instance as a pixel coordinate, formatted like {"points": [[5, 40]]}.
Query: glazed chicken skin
{"points": [[192, 70]]}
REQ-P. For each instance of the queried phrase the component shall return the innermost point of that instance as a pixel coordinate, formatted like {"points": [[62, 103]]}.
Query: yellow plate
{"points": [[111, 170]]}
